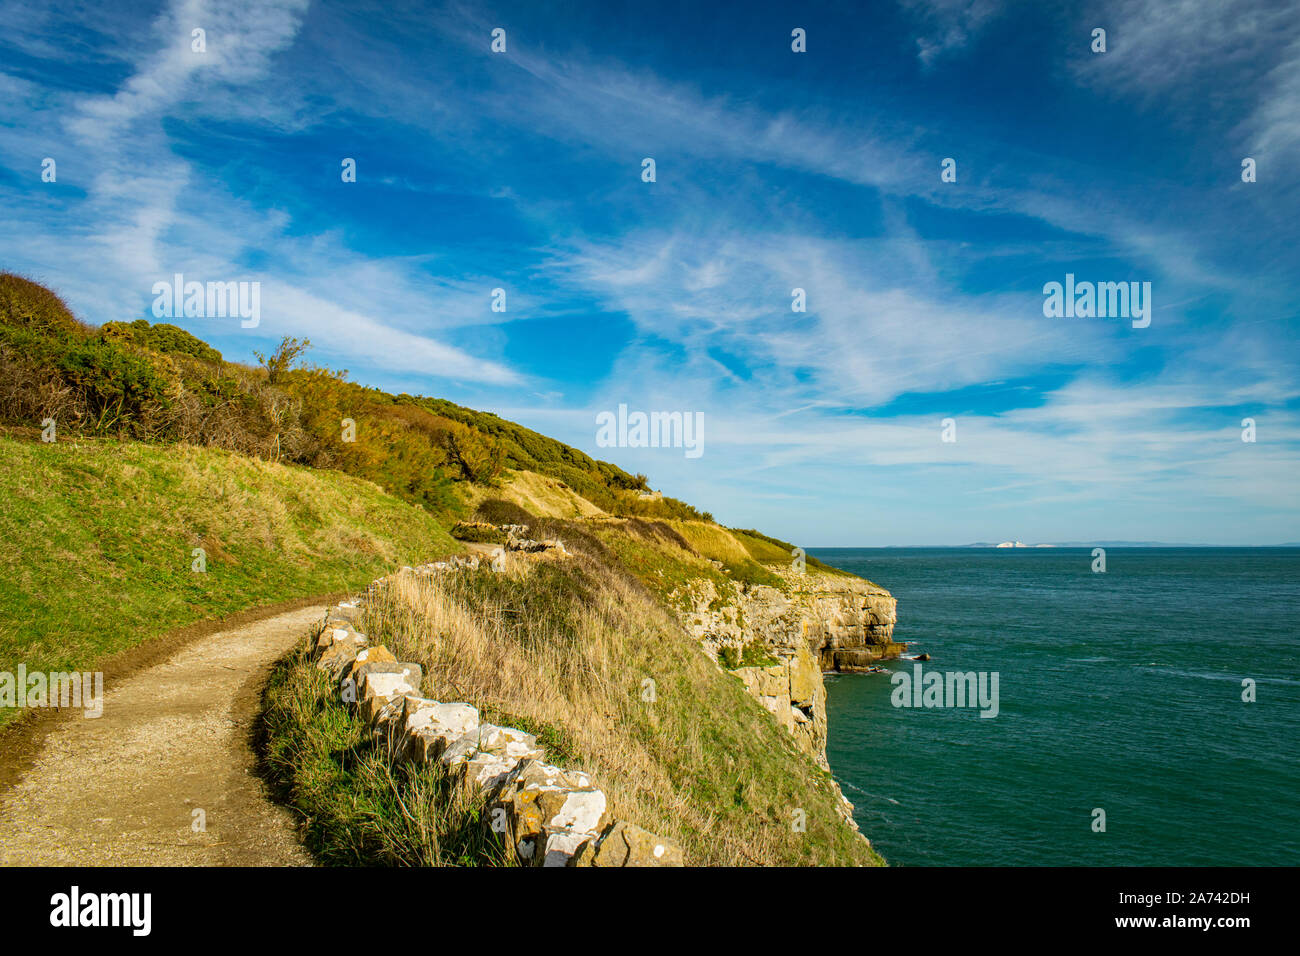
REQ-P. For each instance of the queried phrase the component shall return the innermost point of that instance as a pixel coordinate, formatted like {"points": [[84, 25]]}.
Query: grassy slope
{"points": [[563, 647], [535, 493], [97, 540]]}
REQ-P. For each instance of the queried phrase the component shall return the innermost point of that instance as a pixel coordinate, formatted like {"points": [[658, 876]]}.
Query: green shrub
{"points": [[168, 339], [755, 654]]}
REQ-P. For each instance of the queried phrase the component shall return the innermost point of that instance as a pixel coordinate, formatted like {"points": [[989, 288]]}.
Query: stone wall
{"points": [[549, 816], [815, 622]]}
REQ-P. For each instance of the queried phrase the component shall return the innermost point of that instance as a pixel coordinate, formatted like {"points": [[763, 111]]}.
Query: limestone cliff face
{"points": [[784, 638], [851, 623]]}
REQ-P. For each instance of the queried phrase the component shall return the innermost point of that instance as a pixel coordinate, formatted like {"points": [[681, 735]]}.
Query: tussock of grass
{"points": [[98, 540], [359, 806]]}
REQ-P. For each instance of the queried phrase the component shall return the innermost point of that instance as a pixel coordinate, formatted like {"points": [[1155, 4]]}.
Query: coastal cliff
{"points": [[779, 639]]}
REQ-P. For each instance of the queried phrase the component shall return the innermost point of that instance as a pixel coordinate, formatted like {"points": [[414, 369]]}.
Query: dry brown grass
{"points": [[561, 647], [536, 494]]}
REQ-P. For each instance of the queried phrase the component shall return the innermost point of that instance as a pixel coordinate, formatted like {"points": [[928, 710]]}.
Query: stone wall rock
{"points": [[626, 844]]}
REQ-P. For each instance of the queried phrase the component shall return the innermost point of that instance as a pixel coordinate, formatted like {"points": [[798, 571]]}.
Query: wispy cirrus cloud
{"points": [[946, 26], [139, 222]]}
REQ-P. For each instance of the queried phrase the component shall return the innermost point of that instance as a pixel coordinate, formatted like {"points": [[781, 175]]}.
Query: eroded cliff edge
{"points": [[780, 639]]}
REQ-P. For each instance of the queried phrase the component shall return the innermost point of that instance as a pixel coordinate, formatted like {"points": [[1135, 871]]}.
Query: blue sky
{"points": [[775, 170]]}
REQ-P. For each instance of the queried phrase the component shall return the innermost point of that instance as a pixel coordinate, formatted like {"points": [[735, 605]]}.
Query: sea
{"points": [[1147, 714]]}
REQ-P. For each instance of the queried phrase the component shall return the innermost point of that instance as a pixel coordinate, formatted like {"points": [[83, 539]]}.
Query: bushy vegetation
{"points": [[158, 383], [163, 338], [498, 511], [605, 485], [751, 655]]}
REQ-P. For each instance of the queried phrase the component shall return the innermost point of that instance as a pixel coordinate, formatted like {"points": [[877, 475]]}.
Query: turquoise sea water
{"points": [[1120, 691]]}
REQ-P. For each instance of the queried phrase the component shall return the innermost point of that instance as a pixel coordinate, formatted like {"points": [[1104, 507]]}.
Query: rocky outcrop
{"points": [[850, 622], [792, 689], [779, 640], [549, 816]]}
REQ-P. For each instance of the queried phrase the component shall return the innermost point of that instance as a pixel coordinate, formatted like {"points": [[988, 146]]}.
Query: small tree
{"points": [[283, 358]]}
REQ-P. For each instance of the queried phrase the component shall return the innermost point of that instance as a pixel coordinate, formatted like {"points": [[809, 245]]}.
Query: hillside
{"points": [[579, 649], [157, 383], [293, 482], [99, 539]]}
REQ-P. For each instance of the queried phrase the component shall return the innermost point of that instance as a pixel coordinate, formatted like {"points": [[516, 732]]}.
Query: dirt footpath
{"points": [[122, 789]]}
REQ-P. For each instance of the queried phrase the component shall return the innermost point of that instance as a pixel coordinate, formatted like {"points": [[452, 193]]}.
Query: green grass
{"points": [[361, 808], [751, 655], [98, 540], [660, 557], [773, 551]]}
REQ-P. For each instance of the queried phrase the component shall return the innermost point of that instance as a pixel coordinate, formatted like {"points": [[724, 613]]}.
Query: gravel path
{"points": [[121, 789]]}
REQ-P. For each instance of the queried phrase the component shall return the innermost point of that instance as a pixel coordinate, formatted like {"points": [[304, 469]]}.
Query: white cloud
{"points": [[147, 214], [948, 25], [358, 335]]}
